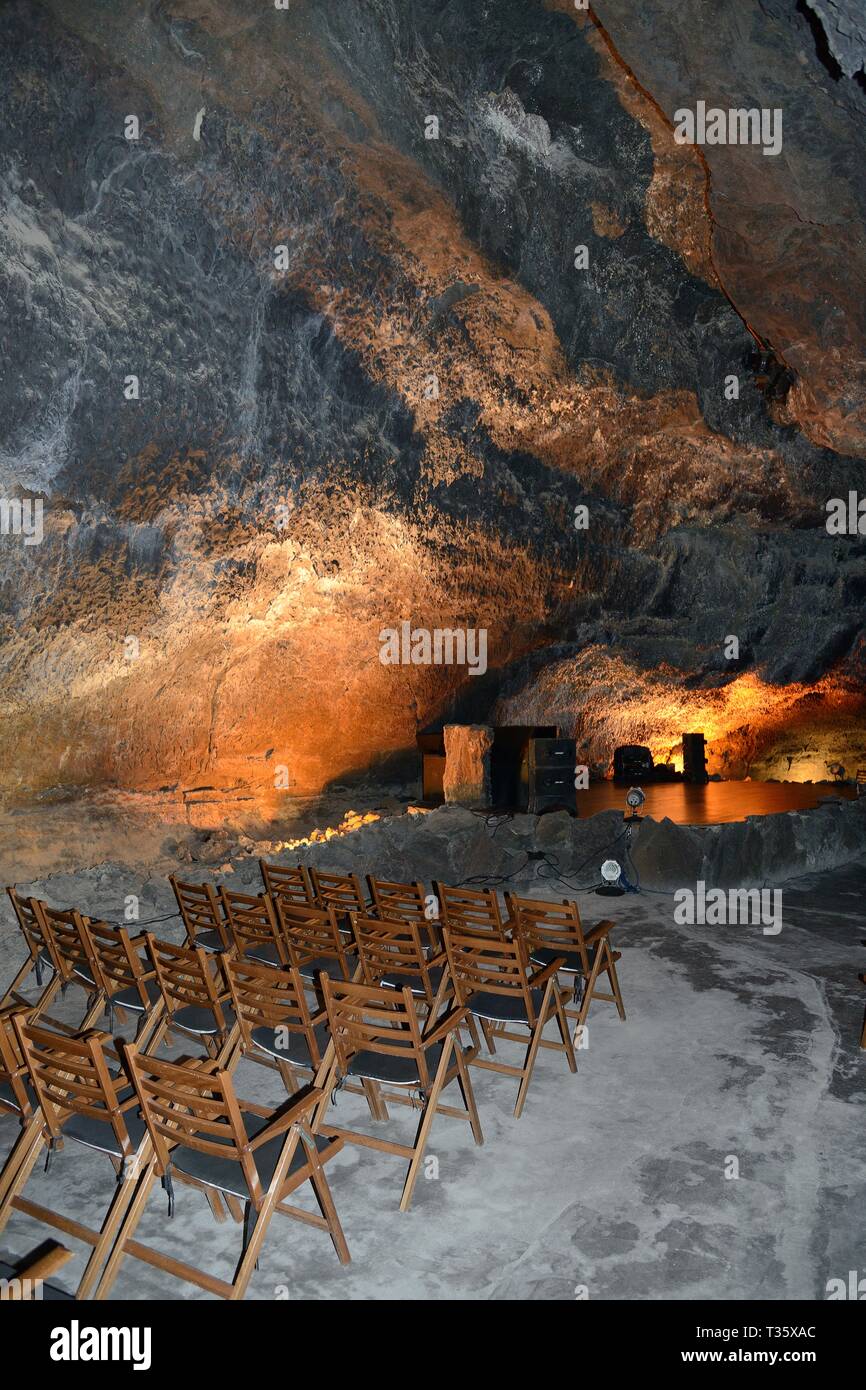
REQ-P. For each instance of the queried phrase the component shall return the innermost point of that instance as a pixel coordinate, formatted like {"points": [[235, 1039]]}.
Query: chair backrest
{"points": [[64, 927], [368, 1018], [310, 932], [263, 997], [281, 881], [193, 1107], [200, 910], [71, 1074], [33, 929], [391, 947], [486, 964], [118, 964], [545, 926], [344, 892], [470, 910], [13, 1068], [405, 901], [188, 976], [252, 922]]}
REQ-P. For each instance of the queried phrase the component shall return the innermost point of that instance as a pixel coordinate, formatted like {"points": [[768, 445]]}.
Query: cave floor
{"points": [[740, 1051]]}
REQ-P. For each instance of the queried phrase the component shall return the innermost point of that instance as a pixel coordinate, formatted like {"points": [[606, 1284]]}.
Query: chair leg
{"points": [[426, 1122], [322, 1190], [614, 984], [468, 1093], [562, 1021], [532, 1051], [488, 1035], [375, 1099], [26, 1150], [29, 964], [127, 1230], [126, 1190]]}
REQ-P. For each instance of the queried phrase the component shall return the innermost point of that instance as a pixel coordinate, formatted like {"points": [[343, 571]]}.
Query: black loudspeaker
{"points": [[547, 776], [694, 758]]}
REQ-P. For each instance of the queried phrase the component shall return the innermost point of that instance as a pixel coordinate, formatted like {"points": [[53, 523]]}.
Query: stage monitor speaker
{"points": [[547, 776], [694, 758]]}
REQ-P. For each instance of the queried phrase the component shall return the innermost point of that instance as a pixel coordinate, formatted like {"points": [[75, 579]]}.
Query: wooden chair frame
{"points": [[263, 997], [342, 892], [26, 1277], [403, 902], [200, 912], [485, 965], [471, 910], [293, 884], [70, 1078], [66, 930], [375, 1020], [394, 946], [195, 1108], [127, 984], [15, 1079], [40, 952], [254, 927], [312, 934], [190, 977], [555, 928]]}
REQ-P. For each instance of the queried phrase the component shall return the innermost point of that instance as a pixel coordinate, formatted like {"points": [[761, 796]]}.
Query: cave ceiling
{"points": [[373, 384]]}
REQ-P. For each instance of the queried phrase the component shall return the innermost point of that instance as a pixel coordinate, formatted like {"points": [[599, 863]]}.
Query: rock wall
{"points": [[373, 385]]}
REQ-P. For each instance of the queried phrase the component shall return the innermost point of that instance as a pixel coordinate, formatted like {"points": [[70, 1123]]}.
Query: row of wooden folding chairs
{"points": [[157, 1119], [295, 891]]}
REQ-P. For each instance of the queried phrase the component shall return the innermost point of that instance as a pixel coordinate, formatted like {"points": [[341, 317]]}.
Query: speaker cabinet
{"points": [[694, 758], [547, 776]]}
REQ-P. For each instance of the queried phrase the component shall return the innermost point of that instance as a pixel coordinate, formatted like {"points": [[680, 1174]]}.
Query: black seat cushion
{"points": [[395, 979], [131, 999], [210, 940], [197, 1019], [85, 973], [396, 1071], [295, 1048], [573, 963], [265, 954], [330, 965], [227, 1175], [98, 1134], [503, 1008]]}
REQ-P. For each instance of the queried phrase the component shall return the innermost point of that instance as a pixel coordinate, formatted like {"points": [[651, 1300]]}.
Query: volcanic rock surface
{"points": [[373, 385]]}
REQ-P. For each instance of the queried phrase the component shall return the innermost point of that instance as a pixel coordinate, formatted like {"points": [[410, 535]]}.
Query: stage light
{"points": [[610, 872], [635, 799]]}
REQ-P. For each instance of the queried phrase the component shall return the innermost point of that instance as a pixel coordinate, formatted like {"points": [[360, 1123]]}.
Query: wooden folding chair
{"points": [[294, 885], [254, 927], [391, 952], [404, 902], [40, 953], [377, 1038], [78, 1099], [493, 981], [471, 910], [275, 1025], [201, 915], [342, 892], [207, 1138], [551, 930], [17, 1097], [75, 966], [194, 994], [25, 1282], [314, 940], [128, 984]]}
